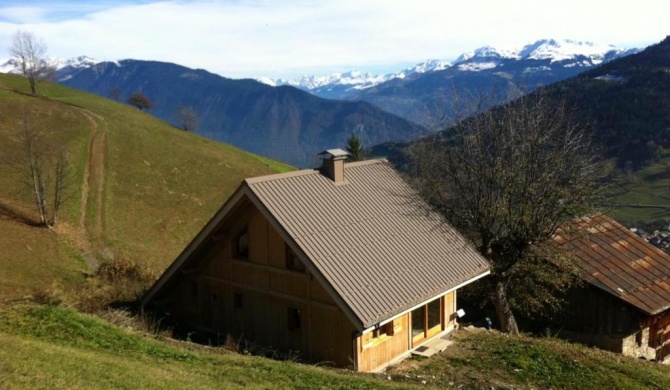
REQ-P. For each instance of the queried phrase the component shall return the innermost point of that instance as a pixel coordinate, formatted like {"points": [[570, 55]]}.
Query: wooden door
{"points": [[427, 321]]}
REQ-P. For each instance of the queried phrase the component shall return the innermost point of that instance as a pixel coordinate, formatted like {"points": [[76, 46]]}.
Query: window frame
{"points": [[293, 262], [293, 319], [238, 301], [238, 253]]}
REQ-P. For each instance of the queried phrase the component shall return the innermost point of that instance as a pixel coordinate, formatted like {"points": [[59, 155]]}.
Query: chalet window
{"points": [[381, 334], [237, 300], [293, 262], [242, 245], [294, 319], [384, 330]]}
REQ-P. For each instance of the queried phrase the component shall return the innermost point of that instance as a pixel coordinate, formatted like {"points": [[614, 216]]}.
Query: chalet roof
{"points": [[619, 262], [375, 246], [373, 240]]}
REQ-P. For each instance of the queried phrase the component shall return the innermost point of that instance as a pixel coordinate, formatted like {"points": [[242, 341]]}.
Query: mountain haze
{"points": [[283, 122]]}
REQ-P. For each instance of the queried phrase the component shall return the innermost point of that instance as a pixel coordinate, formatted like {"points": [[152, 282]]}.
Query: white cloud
{"points": [[251, 38], [22, 14]]}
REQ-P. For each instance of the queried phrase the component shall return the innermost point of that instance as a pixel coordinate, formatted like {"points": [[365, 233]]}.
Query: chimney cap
{"points": [[336, 154]]}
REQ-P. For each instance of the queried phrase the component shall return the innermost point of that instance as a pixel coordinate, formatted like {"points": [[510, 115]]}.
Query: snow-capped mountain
{"points": [[81, 62], [355, 79], [566, 52]]}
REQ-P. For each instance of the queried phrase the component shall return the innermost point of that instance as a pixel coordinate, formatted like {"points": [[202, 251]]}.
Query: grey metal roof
{"points": [[619, 262], [377, 244]]}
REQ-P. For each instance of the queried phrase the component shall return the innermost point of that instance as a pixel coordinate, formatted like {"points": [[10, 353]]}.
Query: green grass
{"points": [[485, 360], [161, 185], [51, 347], [649, 186], [54, 347]]}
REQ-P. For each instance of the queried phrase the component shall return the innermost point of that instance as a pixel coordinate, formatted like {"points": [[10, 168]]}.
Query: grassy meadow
{"points": [[139, 189], [54, 347], [648, 186]]}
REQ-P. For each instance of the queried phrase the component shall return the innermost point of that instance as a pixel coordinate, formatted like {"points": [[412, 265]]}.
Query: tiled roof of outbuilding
{"points": [[619, 262]]}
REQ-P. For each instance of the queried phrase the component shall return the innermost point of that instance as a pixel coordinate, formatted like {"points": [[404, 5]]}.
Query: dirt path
{"points": [[93, 189]]}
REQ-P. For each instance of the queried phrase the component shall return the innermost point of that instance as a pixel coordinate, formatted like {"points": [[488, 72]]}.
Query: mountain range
{"points": [[571, 53], [427, 98], [284, 123], [625, 102], [291, 125]]}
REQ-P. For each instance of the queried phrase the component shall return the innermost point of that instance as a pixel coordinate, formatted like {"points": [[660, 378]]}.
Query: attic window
{"points": [[193, 286], [242, 245], [237, 300], [294, 320], [293, 262]]}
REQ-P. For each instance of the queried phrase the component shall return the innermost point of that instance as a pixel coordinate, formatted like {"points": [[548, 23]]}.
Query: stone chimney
{"points": [[333, 164]]}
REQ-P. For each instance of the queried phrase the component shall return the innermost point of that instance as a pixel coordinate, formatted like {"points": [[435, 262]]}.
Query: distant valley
{"points": [[284, 123]]}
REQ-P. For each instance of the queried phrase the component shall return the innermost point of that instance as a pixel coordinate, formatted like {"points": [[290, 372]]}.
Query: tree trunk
{"points": [[503, 310], [31, 80], [59, 187]]}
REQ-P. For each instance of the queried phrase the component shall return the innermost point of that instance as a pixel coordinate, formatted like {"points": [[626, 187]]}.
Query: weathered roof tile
{"points": [[616, 260]]}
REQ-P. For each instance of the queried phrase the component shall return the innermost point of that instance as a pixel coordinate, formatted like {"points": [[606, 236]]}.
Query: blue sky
{"points": [[254, 38]]}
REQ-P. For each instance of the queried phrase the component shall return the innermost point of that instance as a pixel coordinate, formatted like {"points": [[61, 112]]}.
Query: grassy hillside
{"points": [[647, 187], [58, 348], [139, 188], [51, 347]]}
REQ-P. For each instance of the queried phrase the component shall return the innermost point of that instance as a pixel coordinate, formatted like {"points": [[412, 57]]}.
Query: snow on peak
{"points": [[572, 53], [581, 53], [354, 79], [426, 66], [81, 62], [77, 62], [560, 50]]}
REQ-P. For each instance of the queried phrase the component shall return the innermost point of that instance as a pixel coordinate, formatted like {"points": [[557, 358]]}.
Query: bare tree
{"points": [[30, 54], [140, 101], [188, 118], [507, 179], [43, 168]]}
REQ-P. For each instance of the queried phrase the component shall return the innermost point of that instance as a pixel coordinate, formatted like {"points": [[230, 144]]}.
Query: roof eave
{"points": [[372, 325]]}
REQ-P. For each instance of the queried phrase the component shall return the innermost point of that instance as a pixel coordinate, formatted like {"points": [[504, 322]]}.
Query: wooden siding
{"points": [[376, 353], [590, 310], [251, 298], [450, 308], [266, 290]]}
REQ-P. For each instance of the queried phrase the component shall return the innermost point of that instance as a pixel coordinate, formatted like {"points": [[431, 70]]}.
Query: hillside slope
{"points": [[283, 123], [627, 101], [45, 347], [139, 189]]}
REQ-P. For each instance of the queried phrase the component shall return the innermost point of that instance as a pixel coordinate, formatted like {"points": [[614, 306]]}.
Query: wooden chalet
{"points": [[345, 264], [625, 304]]}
